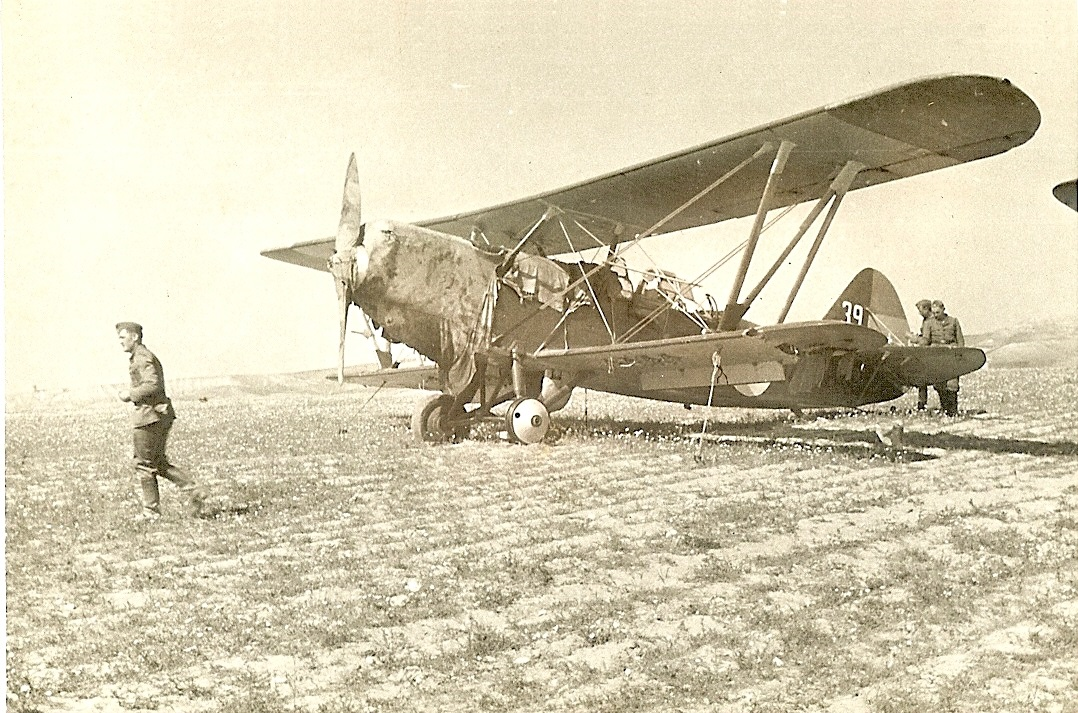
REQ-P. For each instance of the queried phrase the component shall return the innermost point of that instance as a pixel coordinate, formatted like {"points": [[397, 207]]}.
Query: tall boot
{"points": [[192, 493], [950, 407], [196, 499], [151, 497]]}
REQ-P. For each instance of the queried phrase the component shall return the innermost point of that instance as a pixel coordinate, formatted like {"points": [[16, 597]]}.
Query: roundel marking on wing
{"points": [[753, 390]]}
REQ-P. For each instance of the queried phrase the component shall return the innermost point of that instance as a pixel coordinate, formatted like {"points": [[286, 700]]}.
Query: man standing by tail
{"points": [[152, 420], [924, 307], [944, 330]]}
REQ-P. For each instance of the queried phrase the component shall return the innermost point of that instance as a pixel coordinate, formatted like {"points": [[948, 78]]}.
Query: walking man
{"points": [[944, 330], [152, 419]]}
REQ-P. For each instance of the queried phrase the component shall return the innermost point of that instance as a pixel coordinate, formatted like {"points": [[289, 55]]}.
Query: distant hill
{"points": [[1037, 343], [315, 382]]}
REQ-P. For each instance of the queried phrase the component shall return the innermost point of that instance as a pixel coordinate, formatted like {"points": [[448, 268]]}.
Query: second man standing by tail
{"points": [[944, 330]]}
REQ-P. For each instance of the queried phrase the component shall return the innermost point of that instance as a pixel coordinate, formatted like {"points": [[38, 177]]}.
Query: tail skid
{"points": [[870, 300]]}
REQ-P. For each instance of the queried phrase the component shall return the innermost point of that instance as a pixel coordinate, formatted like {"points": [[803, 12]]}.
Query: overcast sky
{"points": [[152, 149]]}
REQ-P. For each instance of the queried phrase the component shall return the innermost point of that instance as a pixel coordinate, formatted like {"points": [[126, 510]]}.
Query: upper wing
{"points": [[746, 357], [1067, 193], [897, 132]]}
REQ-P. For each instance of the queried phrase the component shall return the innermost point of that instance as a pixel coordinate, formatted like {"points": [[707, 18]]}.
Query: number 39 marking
{"points": [[855, 313]]}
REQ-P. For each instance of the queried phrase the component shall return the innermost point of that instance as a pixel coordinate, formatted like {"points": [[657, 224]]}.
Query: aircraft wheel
{"points": [[527, 421], [427, 423]]}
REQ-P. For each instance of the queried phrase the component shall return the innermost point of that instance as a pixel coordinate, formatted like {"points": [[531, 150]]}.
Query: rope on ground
{"points": [[710, 397], [344, 429]]}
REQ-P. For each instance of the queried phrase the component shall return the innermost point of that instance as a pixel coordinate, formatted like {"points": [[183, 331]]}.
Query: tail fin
{"points": [[870, 300]]}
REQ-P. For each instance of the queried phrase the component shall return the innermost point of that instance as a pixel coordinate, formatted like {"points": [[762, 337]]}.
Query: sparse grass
{"points": [[610, 571], [1064, 523], [717, 524], [720, 568], [484, 642], [934, 585]]}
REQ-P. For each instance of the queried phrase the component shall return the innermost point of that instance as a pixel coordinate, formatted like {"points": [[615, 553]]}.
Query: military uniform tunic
{"points": [[148, 389], [152, 419], [945, 331]]}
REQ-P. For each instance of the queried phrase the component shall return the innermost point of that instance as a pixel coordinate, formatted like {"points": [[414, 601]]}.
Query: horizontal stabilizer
{"points": [[920, 366]]}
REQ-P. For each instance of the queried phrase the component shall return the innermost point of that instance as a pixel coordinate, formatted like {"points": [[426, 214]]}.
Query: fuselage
{"points": [[447, 299], [457, 305]]}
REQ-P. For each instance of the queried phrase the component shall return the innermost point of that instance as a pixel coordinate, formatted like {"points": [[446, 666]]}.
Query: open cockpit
{"points": [[625, 304]]}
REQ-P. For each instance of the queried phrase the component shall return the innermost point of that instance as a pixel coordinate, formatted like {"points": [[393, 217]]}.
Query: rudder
{"points": [[870, 300]]}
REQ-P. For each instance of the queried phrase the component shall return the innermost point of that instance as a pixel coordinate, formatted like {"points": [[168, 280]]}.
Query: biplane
{"points": [[504, 303]]}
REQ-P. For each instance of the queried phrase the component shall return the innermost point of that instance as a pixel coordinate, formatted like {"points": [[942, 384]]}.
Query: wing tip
{"points": [[301, 254]]}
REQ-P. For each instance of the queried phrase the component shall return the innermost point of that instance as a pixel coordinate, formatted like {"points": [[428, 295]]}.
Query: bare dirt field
{"points": [[779, 565]]}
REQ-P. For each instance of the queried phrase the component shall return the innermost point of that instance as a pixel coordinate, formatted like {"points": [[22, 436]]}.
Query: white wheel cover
{"points": [[529, 421]]}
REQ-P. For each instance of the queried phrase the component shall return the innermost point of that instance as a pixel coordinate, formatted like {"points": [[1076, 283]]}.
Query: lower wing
{"points": [[414, 377], [730, 358]]}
